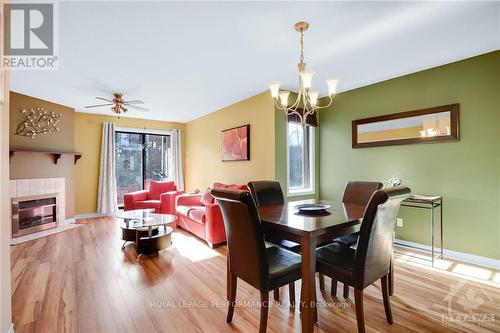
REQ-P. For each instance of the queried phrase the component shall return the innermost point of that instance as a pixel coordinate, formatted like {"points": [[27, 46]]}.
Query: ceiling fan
{"points": [[118, 104]]}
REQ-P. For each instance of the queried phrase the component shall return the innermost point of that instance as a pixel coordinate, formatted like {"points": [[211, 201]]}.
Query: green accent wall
{"points": [[466, 173]]}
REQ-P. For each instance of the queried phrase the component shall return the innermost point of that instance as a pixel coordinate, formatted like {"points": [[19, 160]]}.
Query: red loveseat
{"points": [[203, 219], [160, 196]]}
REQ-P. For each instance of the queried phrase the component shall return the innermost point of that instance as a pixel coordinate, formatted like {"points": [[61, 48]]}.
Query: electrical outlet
{"points": [[399, 222]]}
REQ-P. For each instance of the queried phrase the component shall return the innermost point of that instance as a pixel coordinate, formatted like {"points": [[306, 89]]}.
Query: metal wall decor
{"points": [[38, 121]]}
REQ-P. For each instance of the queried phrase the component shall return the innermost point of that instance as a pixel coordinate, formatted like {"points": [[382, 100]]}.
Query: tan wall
{"points": [[57, 141], [88, 133], [5, 226], [39, 165], [203, 144]]}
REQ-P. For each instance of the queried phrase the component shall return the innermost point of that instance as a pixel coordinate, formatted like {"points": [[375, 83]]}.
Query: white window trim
{"points": [[312, 153], [142, 131]]}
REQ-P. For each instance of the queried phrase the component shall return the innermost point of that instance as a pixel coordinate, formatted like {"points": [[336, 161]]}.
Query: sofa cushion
{"points": [[158, 188], [147, 204], [197, 215], [231, 186], [184, 210]]}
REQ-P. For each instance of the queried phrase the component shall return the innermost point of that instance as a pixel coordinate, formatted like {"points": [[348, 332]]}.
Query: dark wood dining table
{"points": [[310, 230]]}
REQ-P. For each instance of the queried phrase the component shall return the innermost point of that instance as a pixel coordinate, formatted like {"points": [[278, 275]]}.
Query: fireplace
{"points": [[33, 213]]}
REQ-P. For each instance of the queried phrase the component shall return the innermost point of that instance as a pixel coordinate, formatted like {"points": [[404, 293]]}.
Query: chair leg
{"points": [[358, 300], [321, 278], [291, 293], [391, 276], [387, 301], [333, 288], [346, 290], [231, 296], [264, 298], [276, 293]]}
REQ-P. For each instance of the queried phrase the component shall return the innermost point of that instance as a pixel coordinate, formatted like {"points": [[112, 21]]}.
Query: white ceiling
{"points": [[187, 59]]}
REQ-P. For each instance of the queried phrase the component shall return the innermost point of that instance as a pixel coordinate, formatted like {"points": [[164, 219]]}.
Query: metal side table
{"points": [[429, 202]]}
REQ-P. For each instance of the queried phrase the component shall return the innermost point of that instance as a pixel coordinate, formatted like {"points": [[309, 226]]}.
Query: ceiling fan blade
{"points": [[105, 99], [133, 102], [138, 108], [97, 105]]}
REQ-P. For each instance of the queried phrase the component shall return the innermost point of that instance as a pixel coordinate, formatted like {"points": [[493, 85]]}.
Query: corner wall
{"points": [[203, 144]]}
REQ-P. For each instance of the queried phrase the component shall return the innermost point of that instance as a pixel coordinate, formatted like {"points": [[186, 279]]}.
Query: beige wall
{"points": [[88, 133], [5, 226], [56, 141], [39, 165], [203, 144]]}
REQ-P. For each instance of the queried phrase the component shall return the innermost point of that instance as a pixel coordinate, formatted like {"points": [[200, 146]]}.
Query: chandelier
{"points": [[307, 100]]}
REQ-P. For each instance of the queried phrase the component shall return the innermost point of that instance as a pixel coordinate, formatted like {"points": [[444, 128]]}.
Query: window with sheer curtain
{"points": [[300, 158]]}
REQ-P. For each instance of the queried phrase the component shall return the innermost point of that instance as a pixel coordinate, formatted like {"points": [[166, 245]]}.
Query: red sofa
{"points": [[160, 196], [203, 220]]}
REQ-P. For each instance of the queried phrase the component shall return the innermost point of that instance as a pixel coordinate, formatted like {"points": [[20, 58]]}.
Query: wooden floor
{"points": [[81, 281]]}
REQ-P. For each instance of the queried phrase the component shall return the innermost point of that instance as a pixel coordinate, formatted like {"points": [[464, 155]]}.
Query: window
{"points": [[300, 154], [141, 158]]}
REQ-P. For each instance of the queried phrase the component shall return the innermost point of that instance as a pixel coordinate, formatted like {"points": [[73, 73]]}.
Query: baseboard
{"points": [[456, 255], [89, 216], [11, 328]]}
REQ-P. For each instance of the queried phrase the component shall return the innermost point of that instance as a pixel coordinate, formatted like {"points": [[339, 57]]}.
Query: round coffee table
{"points": [[144, 228]]}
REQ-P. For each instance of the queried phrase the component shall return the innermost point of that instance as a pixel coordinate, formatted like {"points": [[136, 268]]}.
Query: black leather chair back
{"points": [[360, 192], [245, 240], [266, 192], [376, 235]]}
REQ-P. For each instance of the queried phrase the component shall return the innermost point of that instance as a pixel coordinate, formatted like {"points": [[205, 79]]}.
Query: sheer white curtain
{"points": [[107, 202], [177, 173]]}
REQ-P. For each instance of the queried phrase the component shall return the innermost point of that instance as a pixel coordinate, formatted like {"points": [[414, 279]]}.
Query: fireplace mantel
{"points": [[56, 155]]}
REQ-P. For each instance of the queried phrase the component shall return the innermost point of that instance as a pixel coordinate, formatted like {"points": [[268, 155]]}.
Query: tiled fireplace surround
{"points": [[28, 187]]}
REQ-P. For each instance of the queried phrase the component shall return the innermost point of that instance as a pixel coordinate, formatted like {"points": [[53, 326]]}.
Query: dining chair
{"points": [[248, 258], [269, 192], [355, 192], [371, 259]]}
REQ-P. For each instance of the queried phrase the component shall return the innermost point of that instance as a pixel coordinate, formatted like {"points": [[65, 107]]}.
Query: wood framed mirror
{"points": [[435, 124]]}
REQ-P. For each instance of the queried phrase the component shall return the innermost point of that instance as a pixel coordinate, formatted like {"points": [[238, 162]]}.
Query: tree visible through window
{"points": [[300, 158], [141, 158]]}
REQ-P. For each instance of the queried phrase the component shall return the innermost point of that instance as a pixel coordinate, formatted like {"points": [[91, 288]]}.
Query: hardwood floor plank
{"points": [[82, 281]]}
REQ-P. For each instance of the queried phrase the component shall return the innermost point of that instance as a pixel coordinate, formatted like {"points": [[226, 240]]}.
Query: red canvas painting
{"points": [[236, 144]]}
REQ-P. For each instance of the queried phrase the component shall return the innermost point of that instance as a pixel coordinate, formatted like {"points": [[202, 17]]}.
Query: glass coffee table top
{"points": [[137, 214], [144, 218], [153, 220]]}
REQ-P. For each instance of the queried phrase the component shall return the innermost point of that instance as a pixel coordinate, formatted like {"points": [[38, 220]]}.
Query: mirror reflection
{"points": [[429, 125]]}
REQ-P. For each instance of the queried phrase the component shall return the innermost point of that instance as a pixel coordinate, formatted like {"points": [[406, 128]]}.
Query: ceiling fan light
{"points": [[306, 78], [274, 88], [332, 86]]}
